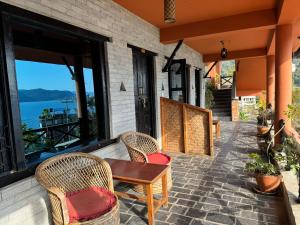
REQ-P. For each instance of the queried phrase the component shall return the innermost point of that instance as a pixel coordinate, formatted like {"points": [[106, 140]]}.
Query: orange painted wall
{"points": [[251, 76]]}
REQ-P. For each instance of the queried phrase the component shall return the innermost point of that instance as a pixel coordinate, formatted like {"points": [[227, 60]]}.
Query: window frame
{"points": [[10, 14]]}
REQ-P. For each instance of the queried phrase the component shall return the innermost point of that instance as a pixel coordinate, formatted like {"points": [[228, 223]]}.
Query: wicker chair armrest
{"points": [[60, 201], [138, 156]]}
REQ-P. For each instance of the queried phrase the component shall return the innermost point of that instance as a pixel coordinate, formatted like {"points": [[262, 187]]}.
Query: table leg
{"points": [[150, 204], [218, 130], [165, 189]]}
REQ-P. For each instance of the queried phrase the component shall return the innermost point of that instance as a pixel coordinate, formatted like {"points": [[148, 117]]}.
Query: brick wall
{"points": [[25, 202]]}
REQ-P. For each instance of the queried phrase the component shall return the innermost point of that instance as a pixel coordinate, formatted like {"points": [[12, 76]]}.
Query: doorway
{"points": [[143, 72]]}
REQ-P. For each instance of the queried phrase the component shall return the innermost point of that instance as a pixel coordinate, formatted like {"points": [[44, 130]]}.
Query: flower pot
{"points": [[262, 129], [268, 183]]}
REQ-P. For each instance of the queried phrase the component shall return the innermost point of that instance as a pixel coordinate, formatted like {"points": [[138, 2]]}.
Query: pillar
{"points": [[271, 80], [283, 73]]}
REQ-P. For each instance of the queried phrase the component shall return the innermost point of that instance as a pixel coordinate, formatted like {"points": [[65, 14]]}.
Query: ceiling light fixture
{"points": [[224, 51], [170, 11]]}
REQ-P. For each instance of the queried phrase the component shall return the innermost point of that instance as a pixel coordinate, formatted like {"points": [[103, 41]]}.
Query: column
{"points": [[283, 73], [271, 80]]}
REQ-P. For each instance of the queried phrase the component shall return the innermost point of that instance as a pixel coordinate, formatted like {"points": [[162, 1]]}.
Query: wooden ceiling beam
{"points": [[265, 19], [288, 11], [271, 44], [250, 53]]}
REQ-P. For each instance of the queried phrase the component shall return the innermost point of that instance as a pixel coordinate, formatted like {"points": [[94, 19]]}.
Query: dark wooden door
{"points": [[142, 71], [198, 86]]}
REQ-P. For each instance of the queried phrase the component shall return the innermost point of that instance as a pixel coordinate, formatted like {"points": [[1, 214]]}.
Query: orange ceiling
{"points": [[188, 11], [232, 41]]}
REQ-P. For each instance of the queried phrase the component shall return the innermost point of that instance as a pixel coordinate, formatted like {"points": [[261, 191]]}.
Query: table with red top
{"points": [[142, 174]]}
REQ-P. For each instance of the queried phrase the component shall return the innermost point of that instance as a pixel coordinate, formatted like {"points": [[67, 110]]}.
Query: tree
{"points": [[228, 68]]}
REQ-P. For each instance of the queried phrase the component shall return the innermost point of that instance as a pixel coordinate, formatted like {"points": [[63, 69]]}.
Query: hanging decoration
{"points": [[170, 11], [224, 51]]}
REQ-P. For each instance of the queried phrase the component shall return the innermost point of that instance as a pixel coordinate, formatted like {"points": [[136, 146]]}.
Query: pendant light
{"points": [[170, 11], [224, 51]]}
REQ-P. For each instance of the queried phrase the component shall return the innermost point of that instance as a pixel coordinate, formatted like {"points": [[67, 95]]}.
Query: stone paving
{"points": [[215, 190]]}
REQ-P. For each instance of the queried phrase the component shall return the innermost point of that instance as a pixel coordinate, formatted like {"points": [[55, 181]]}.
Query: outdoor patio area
{"points": [[214, 190]]}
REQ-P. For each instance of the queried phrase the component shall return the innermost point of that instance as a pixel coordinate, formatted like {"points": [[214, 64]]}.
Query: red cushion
{"points": [[90, 203], [158, 158]]}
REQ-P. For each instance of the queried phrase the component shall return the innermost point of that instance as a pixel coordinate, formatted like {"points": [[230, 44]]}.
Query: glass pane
{"points": [[47, 97], [176, 81], [178, 96], [90, 99], [176, 78]]}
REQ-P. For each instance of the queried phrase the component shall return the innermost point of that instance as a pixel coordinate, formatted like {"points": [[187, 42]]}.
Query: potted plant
{"points": [[262, 121], [288, 156], [267, 175]]}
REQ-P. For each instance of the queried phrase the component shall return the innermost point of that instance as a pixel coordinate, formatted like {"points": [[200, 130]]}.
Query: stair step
{"points": [[221, 114], [221, 110]]}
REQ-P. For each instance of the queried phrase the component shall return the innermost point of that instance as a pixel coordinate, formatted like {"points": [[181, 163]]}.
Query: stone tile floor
{"points": [[214, 190]]}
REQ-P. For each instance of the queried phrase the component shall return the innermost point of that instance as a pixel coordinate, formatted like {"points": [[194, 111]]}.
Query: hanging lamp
{"points": [[224, 51], [170, 11]]}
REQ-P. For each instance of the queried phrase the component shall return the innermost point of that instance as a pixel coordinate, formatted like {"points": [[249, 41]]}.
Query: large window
{"points": [[53, 91]]}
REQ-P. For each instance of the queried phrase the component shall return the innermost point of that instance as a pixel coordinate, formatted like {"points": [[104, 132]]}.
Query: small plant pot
{"points": [[262, 129], [268, 183]]}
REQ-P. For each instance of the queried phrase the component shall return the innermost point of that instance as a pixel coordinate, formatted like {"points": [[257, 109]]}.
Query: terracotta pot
{"points": [[262, 129], [268, 183]]}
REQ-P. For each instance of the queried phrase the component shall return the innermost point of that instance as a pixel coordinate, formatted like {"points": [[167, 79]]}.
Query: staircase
{"points": [[222, 106]]}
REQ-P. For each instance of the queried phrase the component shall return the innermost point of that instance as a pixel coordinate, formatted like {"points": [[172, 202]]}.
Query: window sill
{"points": [[14, 176]]}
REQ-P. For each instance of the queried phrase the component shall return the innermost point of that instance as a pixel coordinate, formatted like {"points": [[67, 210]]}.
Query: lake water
{"points": [[30, 111]]}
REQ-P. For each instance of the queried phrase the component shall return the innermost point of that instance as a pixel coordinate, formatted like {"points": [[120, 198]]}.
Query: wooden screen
{"points": [[186, 128]]}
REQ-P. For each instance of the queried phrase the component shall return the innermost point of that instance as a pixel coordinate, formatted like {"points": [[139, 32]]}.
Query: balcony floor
{"points": [[214, 191]]}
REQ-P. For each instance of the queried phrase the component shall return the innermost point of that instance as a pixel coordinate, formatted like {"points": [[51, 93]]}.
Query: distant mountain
{"points": [[37, 95]]}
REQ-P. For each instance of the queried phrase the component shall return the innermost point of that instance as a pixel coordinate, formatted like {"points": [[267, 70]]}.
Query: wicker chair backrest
{"points": [[139, 144], [74, 171]]}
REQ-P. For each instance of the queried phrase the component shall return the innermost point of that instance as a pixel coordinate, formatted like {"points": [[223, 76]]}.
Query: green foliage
{"points": [[45, 114], [293, 112], [209, 95], [296, 74], [261, 103], [289, 155], [228, 68], [262, 117], [244, 116], [260, 166]]}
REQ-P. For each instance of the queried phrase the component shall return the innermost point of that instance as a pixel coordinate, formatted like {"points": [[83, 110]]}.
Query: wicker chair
{"points": [[73, 172], [138, 146]]}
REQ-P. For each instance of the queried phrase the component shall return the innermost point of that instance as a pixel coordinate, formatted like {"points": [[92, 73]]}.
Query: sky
{"points": [[33, 75]]}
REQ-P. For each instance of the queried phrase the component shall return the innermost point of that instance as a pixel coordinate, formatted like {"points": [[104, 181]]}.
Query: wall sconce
{"points": [[162, 90], [170, 11], [193, 87], [122, 87]]}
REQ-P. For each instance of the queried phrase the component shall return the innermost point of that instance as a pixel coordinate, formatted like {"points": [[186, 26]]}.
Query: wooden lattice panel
{"points": [[186, 128], [197, 130], [172, 125]]}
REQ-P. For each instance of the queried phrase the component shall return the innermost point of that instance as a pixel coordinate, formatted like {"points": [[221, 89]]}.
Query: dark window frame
{"points": [[19, 170], [185, 80]]}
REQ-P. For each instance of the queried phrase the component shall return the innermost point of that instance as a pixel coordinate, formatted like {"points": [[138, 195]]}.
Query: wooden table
{"points": [[144, 174], [216, 123]]}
